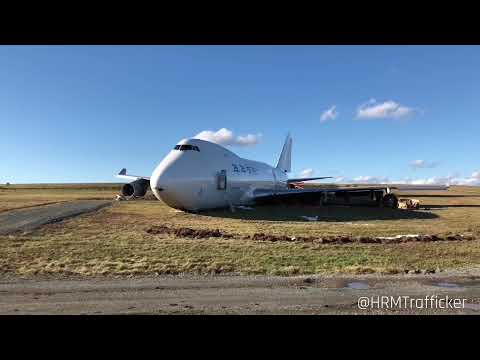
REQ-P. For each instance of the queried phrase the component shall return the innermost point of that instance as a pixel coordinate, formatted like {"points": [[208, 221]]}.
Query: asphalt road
{"points": [[31, 218], [232, 295]]}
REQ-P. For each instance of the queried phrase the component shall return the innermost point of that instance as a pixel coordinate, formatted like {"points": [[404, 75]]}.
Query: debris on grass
{"points": [[398, 237], [310, 218], [409, 204], [187, 232], [241, 207]]}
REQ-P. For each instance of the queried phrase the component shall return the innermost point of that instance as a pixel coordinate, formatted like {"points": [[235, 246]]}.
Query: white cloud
{"points": [[249, 139], [222, 136], [370, 180], [474, 179], [423, 164], [455, 179], [387, 109], [226, 137], [329, 114], [306, 173], [448, 180]]}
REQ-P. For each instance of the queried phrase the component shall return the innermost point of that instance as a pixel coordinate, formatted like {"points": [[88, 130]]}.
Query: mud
{"points": [[357, 285], [185, 232]]}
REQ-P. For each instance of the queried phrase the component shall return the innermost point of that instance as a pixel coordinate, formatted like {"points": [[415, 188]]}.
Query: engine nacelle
{"points": [[136, 188]]}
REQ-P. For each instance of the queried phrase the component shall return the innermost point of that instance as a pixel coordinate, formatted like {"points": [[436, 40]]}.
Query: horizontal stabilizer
{"points": [[123, 175]]}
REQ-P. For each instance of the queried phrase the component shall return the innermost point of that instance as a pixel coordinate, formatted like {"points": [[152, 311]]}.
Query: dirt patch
{"points": [[345, 239], [185, 232]]}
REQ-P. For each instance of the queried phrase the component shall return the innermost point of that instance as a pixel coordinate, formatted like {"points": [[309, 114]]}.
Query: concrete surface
{"points": [[228, 294], [31, 218]]}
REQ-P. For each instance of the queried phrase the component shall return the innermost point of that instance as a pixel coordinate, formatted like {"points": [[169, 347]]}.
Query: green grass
{"points": [[114, 240]]}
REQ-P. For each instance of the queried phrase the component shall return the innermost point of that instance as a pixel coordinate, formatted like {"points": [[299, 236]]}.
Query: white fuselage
{"points": [[188, 177]]}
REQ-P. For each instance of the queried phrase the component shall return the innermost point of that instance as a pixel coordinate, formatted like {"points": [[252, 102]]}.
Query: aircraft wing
{"points": [[308, 179], [267, 194], [123, 174], [412, 187], [365, 187], [292, 193]]}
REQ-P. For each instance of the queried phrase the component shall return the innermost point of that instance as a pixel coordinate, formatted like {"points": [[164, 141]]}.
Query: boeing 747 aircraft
{"points": [[199, 174]]}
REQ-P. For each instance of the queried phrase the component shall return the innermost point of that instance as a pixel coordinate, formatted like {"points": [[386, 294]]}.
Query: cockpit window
{"points": [[186, 147]]}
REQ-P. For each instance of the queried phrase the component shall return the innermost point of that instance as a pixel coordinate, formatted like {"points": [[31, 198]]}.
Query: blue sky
{"points": [[397, 113]]}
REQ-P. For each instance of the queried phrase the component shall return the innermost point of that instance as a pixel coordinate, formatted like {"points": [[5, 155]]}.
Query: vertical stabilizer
{"points": [[285, 160]]}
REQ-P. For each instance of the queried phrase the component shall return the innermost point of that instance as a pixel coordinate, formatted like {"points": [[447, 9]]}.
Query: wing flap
{"points": [[357, 190], [420, 187]]}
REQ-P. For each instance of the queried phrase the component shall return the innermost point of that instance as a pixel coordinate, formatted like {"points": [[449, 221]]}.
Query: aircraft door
{"points": [[222, 180]]}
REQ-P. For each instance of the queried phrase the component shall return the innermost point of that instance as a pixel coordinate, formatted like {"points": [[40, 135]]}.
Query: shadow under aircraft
{"points": [[332, 213]]}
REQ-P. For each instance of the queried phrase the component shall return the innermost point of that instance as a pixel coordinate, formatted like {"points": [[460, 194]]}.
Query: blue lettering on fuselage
{"points": [[236, 168]]}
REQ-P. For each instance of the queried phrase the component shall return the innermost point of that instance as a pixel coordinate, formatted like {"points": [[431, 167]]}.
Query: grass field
{"points": [[114, 241]]}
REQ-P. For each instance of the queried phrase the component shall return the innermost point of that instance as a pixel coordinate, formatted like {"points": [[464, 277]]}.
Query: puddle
{"points": [[357, 285], [447, 285], [455, 283], [475, 307]]}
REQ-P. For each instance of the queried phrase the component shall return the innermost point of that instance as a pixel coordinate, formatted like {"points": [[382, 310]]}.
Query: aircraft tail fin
{"points": [[285, 160]]}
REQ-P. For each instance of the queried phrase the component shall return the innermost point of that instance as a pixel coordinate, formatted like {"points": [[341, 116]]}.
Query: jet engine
{"points": [[136, 188]]}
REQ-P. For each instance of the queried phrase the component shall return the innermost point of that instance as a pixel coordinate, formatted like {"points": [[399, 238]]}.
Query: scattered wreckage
{"points": [[409, 204]]}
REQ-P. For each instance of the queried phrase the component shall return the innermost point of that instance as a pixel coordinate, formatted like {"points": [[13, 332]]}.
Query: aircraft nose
{"points": [[159, 183], [155, 183], [165, 188]]}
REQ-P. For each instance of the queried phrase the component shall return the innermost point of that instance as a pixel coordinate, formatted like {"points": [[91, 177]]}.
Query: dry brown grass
{"points": [[114, 240]]}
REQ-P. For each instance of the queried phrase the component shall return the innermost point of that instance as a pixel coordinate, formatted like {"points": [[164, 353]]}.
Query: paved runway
{"points": [[34, 217]]}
